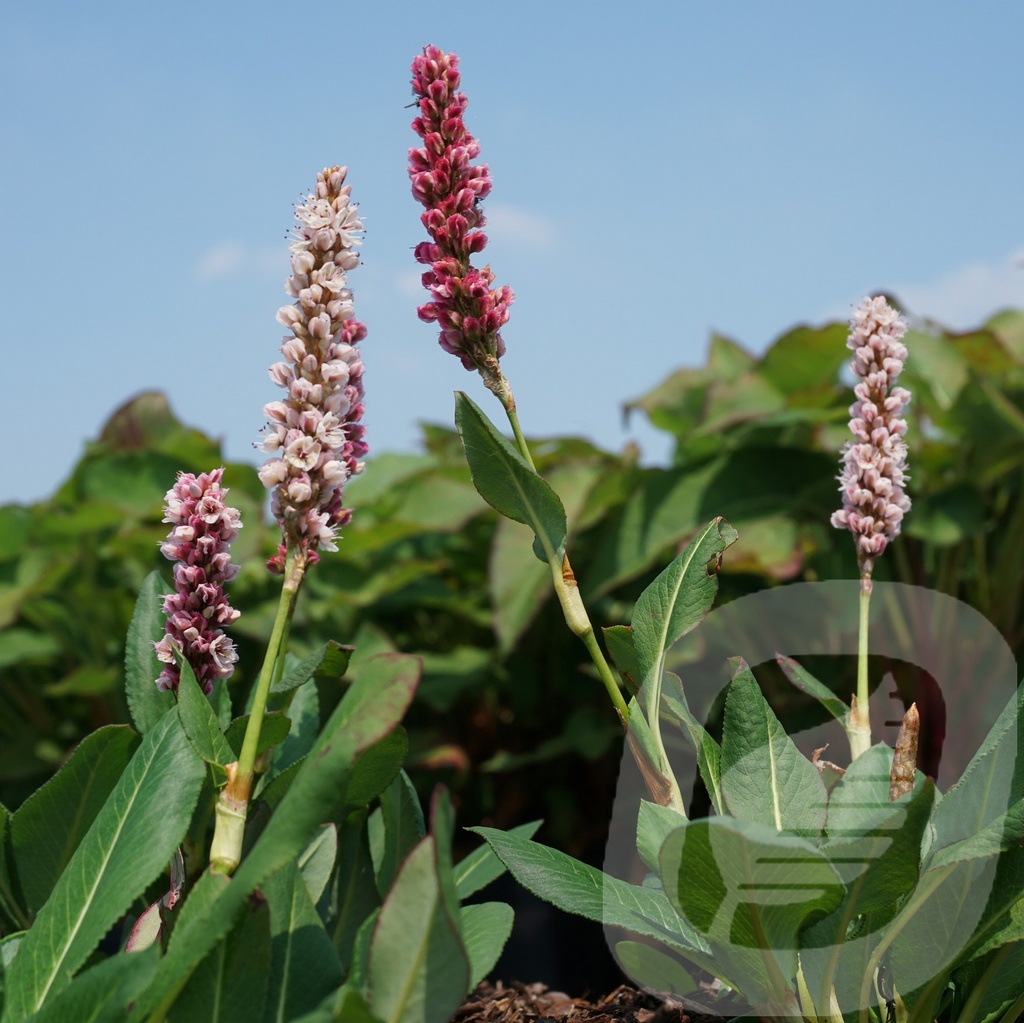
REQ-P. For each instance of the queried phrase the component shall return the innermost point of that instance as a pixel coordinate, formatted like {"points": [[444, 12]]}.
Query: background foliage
{"points": [[507, 714]]}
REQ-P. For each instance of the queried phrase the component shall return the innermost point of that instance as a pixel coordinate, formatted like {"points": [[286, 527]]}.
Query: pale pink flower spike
{"points": [[199, 543], [316, 432], [874, 462]]}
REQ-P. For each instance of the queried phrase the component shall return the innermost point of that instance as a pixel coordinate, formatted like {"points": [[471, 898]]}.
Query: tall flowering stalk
{"points": [[469, 311], [874, 467], [316, 430], [316, 436], [203, 527]]}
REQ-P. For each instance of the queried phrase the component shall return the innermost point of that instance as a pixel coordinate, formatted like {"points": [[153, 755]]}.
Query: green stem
{"points": [[859, 729], [295, 567], [566, 588], [233, 802]]}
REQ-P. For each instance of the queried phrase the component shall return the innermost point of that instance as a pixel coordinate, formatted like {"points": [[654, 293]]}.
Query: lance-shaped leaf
{"points": [[104, 993], [653, 969], [418, 971], [507, 483], [146, 703], [482, 866], [199, 720], [353, 896], [51, 823], [992, 781], [231, 982], [803, 680], [485, 928], [370, 709], [395, 830], [304, 965], [585, 891], [765, 778], [749, 891], [329, 662], [709, 753], [130, 843], [675, 604]]}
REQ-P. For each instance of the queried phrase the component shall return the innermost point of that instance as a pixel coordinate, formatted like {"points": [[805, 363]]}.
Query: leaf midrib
{"points": [[87, 903]]}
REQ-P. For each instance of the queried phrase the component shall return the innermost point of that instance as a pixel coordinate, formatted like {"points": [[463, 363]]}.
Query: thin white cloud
{"points": [[229, 258], [515, 225], [409, 284], [968, 295]]}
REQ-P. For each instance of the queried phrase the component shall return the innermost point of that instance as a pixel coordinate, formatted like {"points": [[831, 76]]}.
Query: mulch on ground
{"points": [[535, 1003]]}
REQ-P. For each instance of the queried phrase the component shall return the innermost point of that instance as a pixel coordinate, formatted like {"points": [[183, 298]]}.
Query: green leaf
{"points": [[654, 824], [765, 778], [653, 969], [199, 720], [419, 971], [996, 977], [585, 891], [17, 645], [103, 993], [992, 781], [805, 357], [51, 823], [304, 965], [230, 983], [874, 845], [370, 708], [273, 732], [402, 827], [316, 861], [485, 928], [507, 483], [807, 683], [146, 703], [9, 905], [349, 1007], [675, 604], [304, 714], [374, 770], [86, 680], [519, 586], [330, 662], [477, 870], [709, 753], [618, 639], [749, 891], [128, 845], [354, 895], [1005, 832]]}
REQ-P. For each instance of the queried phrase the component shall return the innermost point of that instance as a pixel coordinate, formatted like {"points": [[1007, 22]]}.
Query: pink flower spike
{"points": [[203, 527], [874, 463], [316, 428], [469, 313]]}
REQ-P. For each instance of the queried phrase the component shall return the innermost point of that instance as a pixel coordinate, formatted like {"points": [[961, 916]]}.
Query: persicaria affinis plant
{"points": [[199, 544]]}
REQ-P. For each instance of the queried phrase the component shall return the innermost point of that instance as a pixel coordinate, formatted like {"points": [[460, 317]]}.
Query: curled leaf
{"points": [[904, 761]]}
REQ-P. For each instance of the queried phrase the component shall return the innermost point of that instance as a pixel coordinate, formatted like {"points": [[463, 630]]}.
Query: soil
{"points": [[536, 1003]]}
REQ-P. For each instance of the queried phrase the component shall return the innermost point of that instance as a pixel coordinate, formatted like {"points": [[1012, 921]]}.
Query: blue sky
{"points": [[660, 170]]}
